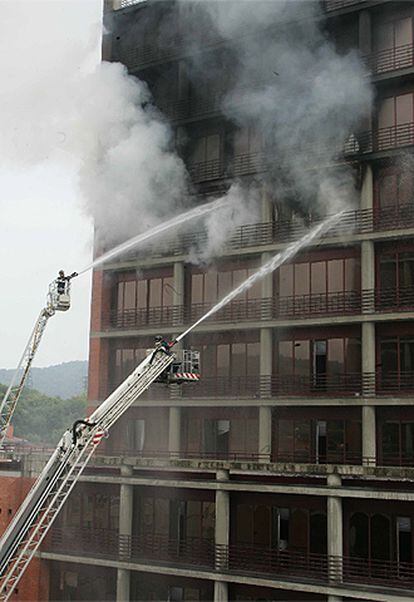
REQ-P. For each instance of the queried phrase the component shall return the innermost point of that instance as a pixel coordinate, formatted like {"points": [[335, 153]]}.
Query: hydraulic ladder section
{"points": [[58, 299], [16, 386], [53, 486]]}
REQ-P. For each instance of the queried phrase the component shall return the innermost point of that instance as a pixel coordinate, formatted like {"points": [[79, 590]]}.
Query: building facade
{"points": [[287, 473]]}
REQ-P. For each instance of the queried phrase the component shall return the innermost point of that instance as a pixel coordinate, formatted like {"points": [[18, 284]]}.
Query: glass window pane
{"points": [[318, 277], [286, 281], [253, 358], [391, 440], [241, 142], [407, 355], [129, 294], [285, 357], [223, 360], [336, 359], [210, 287], [388, 272], [244, 523], [197, 288], [302, 357], [404, 108], [238, 359], [387, 190], [285, 431], [302, 279], [155, 292], [386, 116], [352, 274], [142, 294], [168, 289], [213, 147], [380, 537], [254, 291], [352, 356], [389, 356], [403, 32], [224, 284], [336, 276], [406, 270], [358, 535], [120, 296]]}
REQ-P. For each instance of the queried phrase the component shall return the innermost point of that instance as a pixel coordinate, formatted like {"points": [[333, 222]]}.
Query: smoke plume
{"points": [[287, 84]]}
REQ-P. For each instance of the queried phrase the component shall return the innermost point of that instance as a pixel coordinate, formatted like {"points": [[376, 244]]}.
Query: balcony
{"points": [[240, 559], [278, 386], [245, 310], [206, 171], [354, 222], [390, 59]]}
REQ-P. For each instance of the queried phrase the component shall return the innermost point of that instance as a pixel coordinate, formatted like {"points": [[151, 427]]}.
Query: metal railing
{"points": [[362, 221], [311, 456], [204, 171], [390, 59], [353, 384], [238, 558], [279, 385], [331, 5]]}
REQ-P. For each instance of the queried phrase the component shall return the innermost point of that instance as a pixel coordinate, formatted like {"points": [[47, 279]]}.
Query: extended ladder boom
{"points": [[18, 381], [53, 486]]}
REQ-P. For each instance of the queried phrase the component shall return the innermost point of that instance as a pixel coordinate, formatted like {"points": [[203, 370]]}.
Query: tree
{"points": [[41, 419]]}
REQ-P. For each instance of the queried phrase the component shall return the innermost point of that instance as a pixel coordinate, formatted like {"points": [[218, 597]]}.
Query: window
{"points": [[211, 286], [216, 437]]}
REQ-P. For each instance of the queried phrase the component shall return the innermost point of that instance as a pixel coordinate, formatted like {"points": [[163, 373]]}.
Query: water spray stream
{"points": [[269, 267], [156, 231]]}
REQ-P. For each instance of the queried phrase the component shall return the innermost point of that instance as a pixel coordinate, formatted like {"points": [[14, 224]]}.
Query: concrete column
{"points": [[335, 529], [369, 437], [174, 436], [365, 32], [368, 276], [267, 312], [367, 188], [126, 497], [178, 293], [222, 525], [368, 358], [221, 591], [265, 433], [267, 206], [266, 348], [334, 598]]}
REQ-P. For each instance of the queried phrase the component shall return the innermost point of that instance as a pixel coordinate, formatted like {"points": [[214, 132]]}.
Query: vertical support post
{"points": [[266, 344], [174, 434], [222, 536], [126, 497], [267, 305], [368, 276], [178, 293], [335, 530], [265, 433], [369, 436], [368, 359]]}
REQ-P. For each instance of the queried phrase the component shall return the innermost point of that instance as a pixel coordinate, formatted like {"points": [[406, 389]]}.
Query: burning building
{"points": [[286, 473]]}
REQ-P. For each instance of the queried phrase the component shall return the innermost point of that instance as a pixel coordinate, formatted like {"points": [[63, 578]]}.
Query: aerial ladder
{"points": [[54, 484], [58, 299]]}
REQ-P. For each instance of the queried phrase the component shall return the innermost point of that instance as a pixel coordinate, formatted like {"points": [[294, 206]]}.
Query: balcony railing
{"points": [[331, 5], [391, 59], [395, 382], [242, 559], [281, 385], [284, 386], [311, 456], [206, 170], [363, 221]]}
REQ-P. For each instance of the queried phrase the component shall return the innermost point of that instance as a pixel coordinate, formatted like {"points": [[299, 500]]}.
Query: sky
{"points": [[44, 224]]}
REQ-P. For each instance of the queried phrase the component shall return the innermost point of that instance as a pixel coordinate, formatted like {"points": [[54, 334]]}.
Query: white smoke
{"points": [[59, 103], [287, 81]]}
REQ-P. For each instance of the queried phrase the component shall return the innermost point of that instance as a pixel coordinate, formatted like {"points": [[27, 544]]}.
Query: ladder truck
{"points": [[58, 299], [54, 484]]}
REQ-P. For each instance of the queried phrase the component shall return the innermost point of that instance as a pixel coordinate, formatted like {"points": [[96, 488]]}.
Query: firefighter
{"points": [[161, 346], [62, 280]]}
